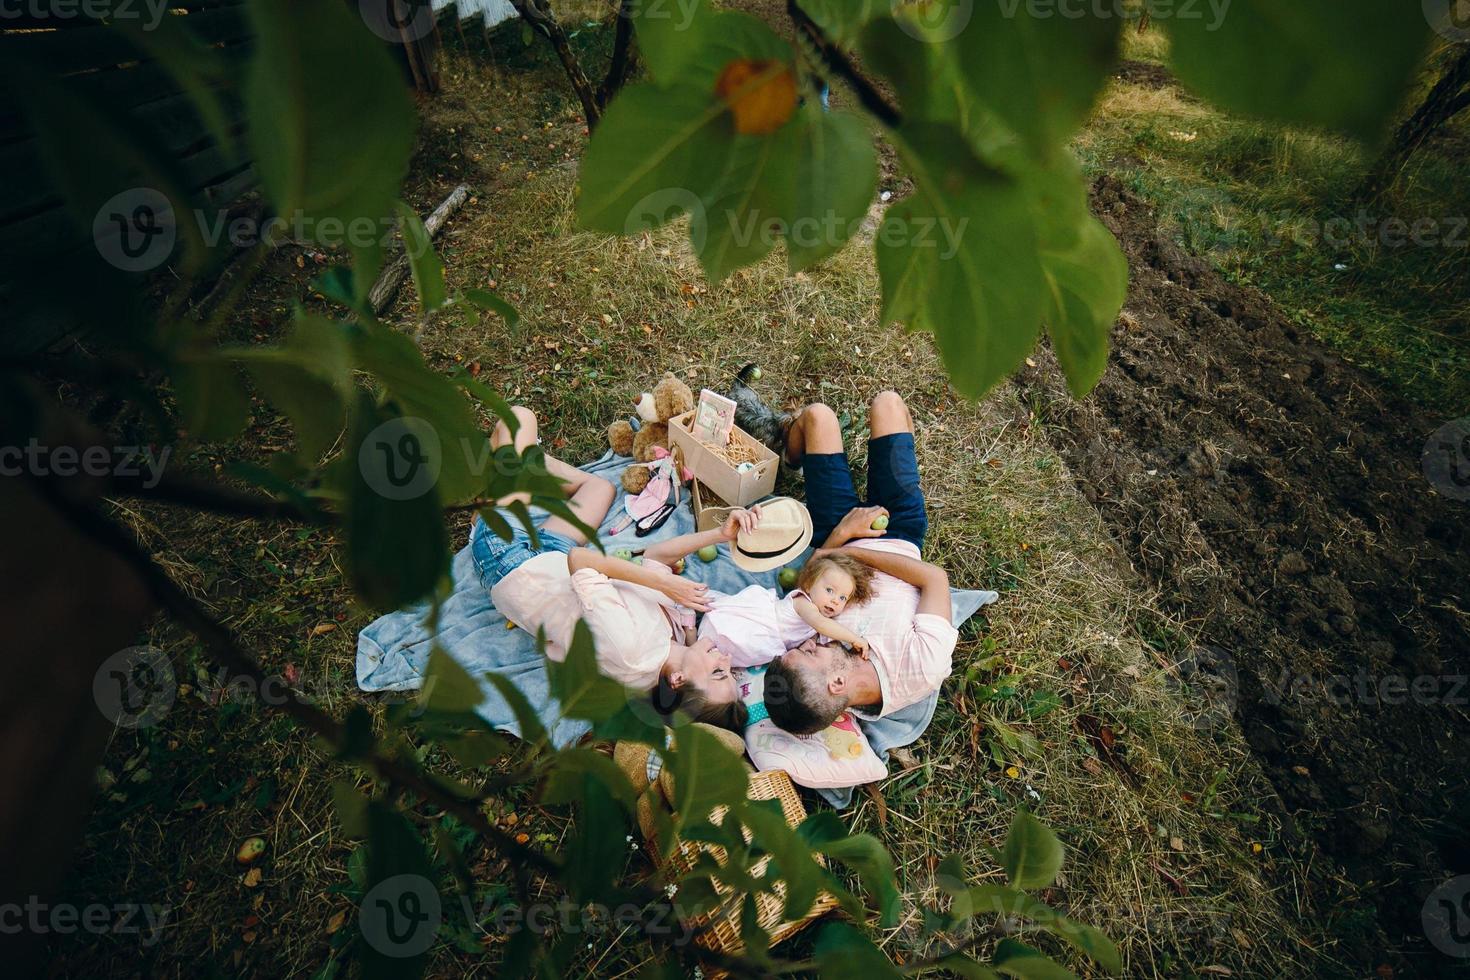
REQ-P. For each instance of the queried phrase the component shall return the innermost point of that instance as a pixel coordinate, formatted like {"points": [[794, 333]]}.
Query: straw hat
{"points": [[785, 531]]}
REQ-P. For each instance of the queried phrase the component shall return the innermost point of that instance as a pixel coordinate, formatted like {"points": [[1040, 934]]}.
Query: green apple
{"points": [[880, 522], [755, 373], [626, 554], [787, 578], [709, 553]]}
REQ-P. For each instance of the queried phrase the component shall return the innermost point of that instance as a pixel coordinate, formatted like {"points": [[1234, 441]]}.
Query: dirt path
{"points": [[1273, 493]]}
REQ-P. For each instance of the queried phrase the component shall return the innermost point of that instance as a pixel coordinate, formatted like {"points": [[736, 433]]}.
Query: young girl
{"points": [[755, 625]]}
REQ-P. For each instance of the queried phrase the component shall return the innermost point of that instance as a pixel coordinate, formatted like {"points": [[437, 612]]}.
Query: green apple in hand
{"points": [[880, 522], [709, 553]]}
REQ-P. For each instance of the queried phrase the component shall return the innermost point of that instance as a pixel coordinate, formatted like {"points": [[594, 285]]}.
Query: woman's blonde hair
{"points": [[861, 575]]}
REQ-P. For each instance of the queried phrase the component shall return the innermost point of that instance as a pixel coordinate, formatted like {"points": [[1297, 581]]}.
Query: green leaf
{"points": [[331, 124], [964, 244], [669, 34], [1038, 71], [1086, 286], [1016, 959], [211, 396], [841, 950], [593, 857], [743, 215], [397, 545], [962, 965], [1014, 903], [423, 262], [842, 20], [402, 909], [316, 412], [1342, 64], [448, 687], [706, 774], [866, 855], [836, 174], [650, 158], [527, 720], [580, 686], [351, 808], [570, 766], [476, 749], [454, 448], [484, 299], [1032, 855]]}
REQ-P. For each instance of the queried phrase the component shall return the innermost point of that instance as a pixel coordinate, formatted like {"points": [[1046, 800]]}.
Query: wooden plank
{"points": [[174, 120], [84, 48]]}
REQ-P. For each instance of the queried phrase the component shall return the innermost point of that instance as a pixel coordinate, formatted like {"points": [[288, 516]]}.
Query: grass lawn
{"points": [[1172, 846]]}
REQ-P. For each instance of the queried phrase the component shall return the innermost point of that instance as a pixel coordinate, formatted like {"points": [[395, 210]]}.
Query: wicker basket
{"points": [[723, 933]]}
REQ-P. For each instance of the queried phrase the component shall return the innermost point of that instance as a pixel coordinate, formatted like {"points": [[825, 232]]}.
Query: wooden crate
{"points": [[709, 510], [725, 481]]}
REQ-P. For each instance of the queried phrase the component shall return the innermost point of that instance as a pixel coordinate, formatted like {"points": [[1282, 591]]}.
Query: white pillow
{"points": [[834, 757]]}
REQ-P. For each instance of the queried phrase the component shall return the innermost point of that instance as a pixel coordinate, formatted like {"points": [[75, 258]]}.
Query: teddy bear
{"points": [[669, 398]]}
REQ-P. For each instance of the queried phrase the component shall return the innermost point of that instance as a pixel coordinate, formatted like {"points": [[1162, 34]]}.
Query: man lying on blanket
{"points": [[906, 622]]}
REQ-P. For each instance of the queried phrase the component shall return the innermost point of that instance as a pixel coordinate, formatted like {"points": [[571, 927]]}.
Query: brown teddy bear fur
{"points": [[672, 397]]}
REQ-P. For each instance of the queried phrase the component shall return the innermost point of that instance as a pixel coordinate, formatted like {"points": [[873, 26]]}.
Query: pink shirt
{"points": [[630, 624], [754, 626], [911, 651]]}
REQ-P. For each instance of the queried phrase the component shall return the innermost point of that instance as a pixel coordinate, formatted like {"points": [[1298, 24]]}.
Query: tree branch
{"points": [[841, 65]]}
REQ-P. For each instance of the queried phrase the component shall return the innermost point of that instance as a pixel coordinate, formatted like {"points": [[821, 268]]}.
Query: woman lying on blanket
{"points": [[641, 616]]}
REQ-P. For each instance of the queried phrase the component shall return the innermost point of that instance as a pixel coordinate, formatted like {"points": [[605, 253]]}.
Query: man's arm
{"points": [[858, 523], [931, 580]]}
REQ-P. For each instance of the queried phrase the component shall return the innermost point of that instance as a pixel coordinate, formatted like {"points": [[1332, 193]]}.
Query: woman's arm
{"points": [[670, 551], [681, 590], [829, 628]]}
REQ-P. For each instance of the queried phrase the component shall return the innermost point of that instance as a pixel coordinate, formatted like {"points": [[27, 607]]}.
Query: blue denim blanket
{"points": [[393, 651]]}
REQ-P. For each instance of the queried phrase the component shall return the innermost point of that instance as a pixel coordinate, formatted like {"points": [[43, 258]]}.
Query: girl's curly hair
{"points": [[862, 575]]}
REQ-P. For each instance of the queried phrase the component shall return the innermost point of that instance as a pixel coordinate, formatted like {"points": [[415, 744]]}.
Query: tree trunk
{"points": [[1450, 96], [538, 14]]}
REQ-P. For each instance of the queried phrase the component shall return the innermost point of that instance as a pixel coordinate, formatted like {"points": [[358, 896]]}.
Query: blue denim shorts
{"points": [[495, 558], [893, 482]]}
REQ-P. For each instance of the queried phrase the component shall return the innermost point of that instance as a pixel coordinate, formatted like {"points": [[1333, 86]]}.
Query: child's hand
{"points": [[860, 646]]}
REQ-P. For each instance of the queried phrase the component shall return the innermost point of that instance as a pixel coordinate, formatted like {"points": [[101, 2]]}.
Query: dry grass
{"points": [[1160, 844]]}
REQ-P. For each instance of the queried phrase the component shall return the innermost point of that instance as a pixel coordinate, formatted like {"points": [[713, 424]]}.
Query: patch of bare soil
{"points": [[1273, 494], [1144, 73]]}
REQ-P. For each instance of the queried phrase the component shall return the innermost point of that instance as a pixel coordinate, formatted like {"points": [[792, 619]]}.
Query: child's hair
{"points": [[862, 575]]}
